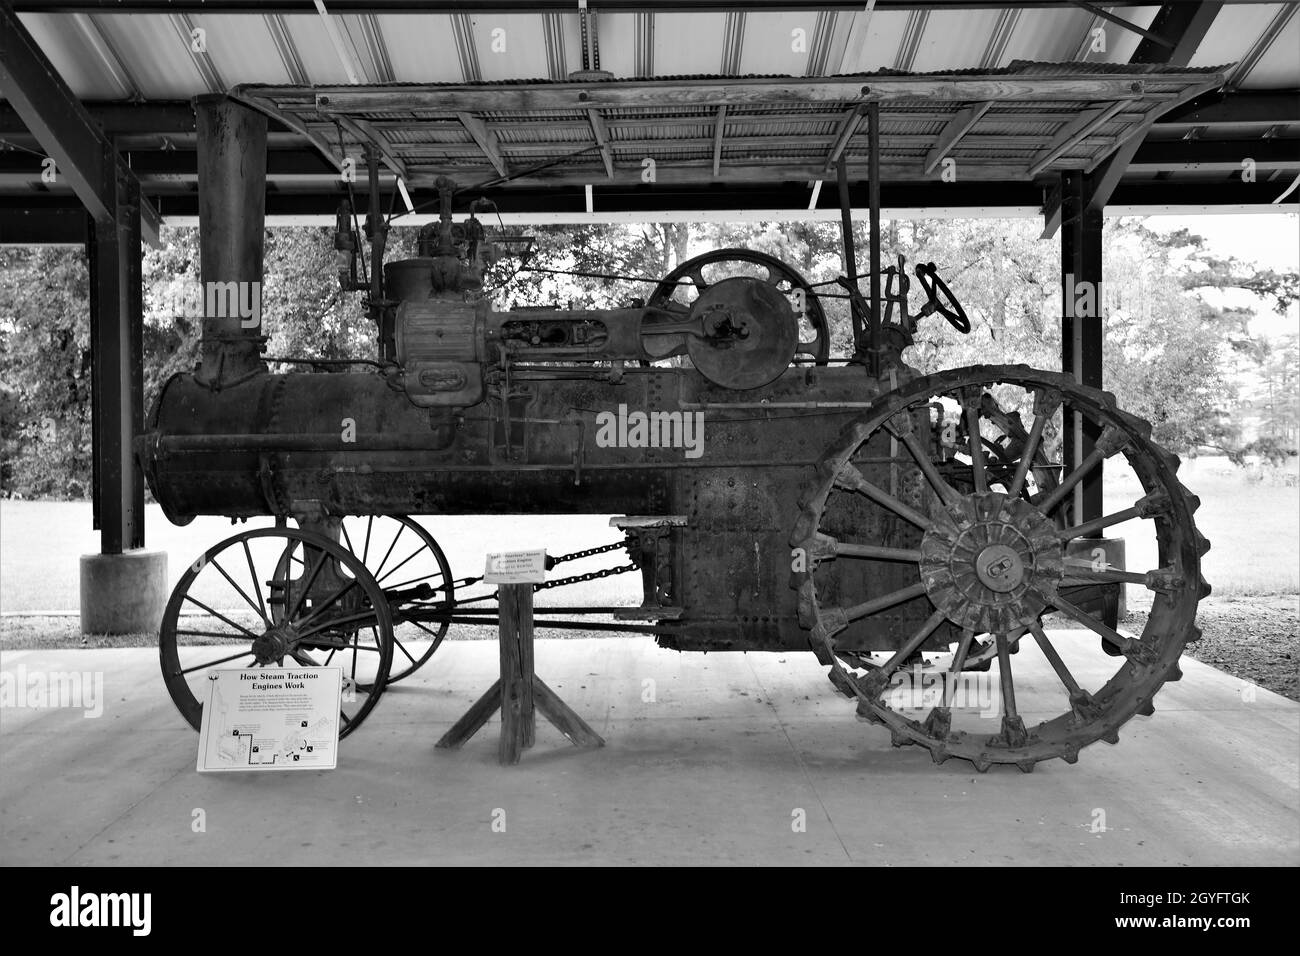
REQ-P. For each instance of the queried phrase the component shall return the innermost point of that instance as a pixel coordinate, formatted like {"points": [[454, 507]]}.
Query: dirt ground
{"points": [[1253, 638]]}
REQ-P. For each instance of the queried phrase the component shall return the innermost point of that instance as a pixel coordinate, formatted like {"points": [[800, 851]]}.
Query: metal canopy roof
{"points": [[1018, 123], [136, 63]]}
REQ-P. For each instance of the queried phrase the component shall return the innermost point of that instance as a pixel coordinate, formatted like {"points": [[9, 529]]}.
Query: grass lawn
{"points": [[1253, 526]]}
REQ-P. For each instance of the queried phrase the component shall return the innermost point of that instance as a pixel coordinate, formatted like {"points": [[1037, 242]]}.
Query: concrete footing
{"points": [[123, 593]]}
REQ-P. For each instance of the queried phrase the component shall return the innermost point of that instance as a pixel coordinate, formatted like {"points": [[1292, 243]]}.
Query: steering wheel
{"points": [[932, 284]]}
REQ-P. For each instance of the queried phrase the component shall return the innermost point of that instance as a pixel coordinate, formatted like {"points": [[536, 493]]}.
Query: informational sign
{"points": [[515, 567], [275, 718]]}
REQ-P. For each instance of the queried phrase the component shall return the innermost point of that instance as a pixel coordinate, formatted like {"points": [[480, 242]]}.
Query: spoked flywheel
{"points": [[698, 279], [277, 597], [993, 559]]}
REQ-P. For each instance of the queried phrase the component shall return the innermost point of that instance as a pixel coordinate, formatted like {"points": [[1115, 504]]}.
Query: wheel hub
{"points": [[995, 567], [272, 645]]}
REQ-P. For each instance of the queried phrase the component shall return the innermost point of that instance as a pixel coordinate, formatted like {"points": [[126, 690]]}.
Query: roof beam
{"points": [[108, 55], [855, 42], [351, 66], [1217, 155], [733, 42], [377, 49], [848, 126], [1129, 25], [1254, 108], [601, 136], [184, 28], [1070, 135], [911, 41], [737, 92], [643, 61], [1185, 25], [474, 7], [1261, 45], [486, 140], [119, 119], [697, 172], [364, 131], [83, 155], [279, 31], [957, 127], [557, 67], [719, 131], [999, 38]]}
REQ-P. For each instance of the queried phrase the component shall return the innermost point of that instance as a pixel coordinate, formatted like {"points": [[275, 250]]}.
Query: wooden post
{"points": [[519, 693], [516, 631]]}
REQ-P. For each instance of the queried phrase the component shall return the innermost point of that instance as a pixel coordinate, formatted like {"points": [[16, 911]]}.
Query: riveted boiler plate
{"points": [[753, 333]]}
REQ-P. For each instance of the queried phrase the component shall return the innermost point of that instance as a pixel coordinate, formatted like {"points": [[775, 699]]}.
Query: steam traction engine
{"points": [[891, 523]]}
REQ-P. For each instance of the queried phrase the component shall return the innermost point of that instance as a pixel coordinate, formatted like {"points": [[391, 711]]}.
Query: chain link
{"points": [[578, 555], [628, 542], [589, 576]]}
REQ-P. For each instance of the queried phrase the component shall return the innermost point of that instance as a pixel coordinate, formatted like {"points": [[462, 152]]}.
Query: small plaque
{"points": [[515, 567]]}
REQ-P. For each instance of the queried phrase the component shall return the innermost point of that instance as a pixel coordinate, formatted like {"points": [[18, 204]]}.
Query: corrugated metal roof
{"points": [[773, 127], [440, 47], [110, 58]]}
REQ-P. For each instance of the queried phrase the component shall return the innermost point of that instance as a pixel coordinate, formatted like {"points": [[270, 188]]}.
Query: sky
{"points": [[1270, 241]]}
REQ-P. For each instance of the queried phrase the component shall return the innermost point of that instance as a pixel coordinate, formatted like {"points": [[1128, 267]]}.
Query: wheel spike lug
{"points": [[1026, 765], [982, 763], [1175, 673], [1148, 709], [1111, 736], [939, 754], [1013, 731], [1070, 755]]}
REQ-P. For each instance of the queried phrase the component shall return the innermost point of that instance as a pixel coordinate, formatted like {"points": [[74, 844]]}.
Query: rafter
{"points": [[1129, 25], [486, 140], [1185, 25], [719, 131], [284, 45], [957, 127], [1070, 135], [108, 54], [341, 49], [1261, 45], [601, 134], [184, 28], [848, 126]]}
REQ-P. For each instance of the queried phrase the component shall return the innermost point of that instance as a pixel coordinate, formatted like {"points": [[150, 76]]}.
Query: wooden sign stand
{"points": [[519, 692]]}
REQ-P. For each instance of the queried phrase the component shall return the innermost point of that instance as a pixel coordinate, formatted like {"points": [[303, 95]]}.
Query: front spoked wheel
{"points": [[993, 561], [277, 597]]}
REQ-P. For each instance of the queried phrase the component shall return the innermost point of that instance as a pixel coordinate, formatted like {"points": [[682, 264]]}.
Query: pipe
{"points": [[232, 214]]}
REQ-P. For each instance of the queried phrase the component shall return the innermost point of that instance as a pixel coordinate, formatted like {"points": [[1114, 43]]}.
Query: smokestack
{"points": [[232, 215]]}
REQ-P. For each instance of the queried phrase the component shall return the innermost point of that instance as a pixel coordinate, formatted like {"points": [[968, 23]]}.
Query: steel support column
{"points": [[117, 384], [1081, 328], [86, 159]]}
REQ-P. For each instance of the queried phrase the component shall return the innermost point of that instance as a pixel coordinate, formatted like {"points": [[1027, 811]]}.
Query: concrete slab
{"points": [[709, 760]]}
